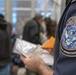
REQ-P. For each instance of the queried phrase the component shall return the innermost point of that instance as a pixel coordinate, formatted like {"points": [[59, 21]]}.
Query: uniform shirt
{"points": [[65, 46]]}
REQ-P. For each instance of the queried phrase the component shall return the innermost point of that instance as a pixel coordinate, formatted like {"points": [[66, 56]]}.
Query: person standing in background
{"points": [[32, 28], [50, 27], [19, 27], [5, 48]]}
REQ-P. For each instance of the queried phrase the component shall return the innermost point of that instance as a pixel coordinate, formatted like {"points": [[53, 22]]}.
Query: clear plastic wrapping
{"points": [[26, 48]]}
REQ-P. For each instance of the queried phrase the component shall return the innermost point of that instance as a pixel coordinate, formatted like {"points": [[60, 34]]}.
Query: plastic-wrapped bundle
{"points": [[26, 48]]}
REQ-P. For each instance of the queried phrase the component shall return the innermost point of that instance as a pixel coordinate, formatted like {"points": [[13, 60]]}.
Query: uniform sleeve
{"points": [[71, 14], [68, 39], [56, 48], [66, 62]]}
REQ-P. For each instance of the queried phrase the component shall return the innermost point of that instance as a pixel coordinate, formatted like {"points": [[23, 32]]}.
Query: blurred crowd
{"points": [[36, 30]]}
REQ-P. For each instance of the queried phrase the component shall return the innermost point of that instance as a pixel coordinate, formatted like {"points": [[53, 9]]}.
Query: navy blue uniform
{"points": [[66, 43]]}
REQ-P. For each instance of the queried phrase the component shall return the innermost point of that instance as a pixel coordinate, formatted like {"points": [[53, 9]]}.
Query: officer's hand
{"points": [[33, 62]]}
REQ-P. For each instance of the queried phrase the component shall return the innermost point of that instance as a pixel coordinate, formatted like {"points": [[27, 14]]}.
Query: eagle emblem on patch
{"points": [[68, 39]]}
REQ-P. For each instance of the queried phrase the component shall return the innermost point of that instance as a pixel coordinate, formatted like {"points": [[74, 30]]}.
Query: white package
{"points": [[26, 48]]}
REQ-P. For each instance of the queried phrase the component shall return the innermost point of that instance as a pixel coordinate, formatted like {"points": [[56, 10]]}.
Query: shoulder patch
{"points": [[71, 20], [68, 39]]}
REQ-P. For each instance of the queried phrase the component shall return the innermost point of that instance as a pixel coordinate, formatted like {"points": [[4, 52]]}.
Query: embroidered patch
{"points": [[71, 20], [68, 40]]}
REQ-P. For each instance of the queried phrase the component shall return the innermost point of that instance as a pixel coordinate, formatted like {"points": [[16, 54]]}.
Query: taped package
{"points": [[26, 48]]}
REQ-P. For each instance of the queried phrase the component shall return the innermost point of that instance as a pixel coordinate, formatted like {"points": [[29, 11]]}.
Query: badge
{"points": [[68, 39]]}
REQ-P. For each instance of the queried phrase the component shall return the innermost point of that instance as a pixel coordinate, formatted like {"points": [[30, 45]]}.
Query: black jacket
{"points": [[5, 50], [31, 32]]}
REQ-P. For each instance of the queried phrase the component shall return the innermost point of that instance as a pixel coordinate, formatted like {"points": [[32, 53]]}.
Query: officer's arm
{"points": [[35, 64], [45, 70]]}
